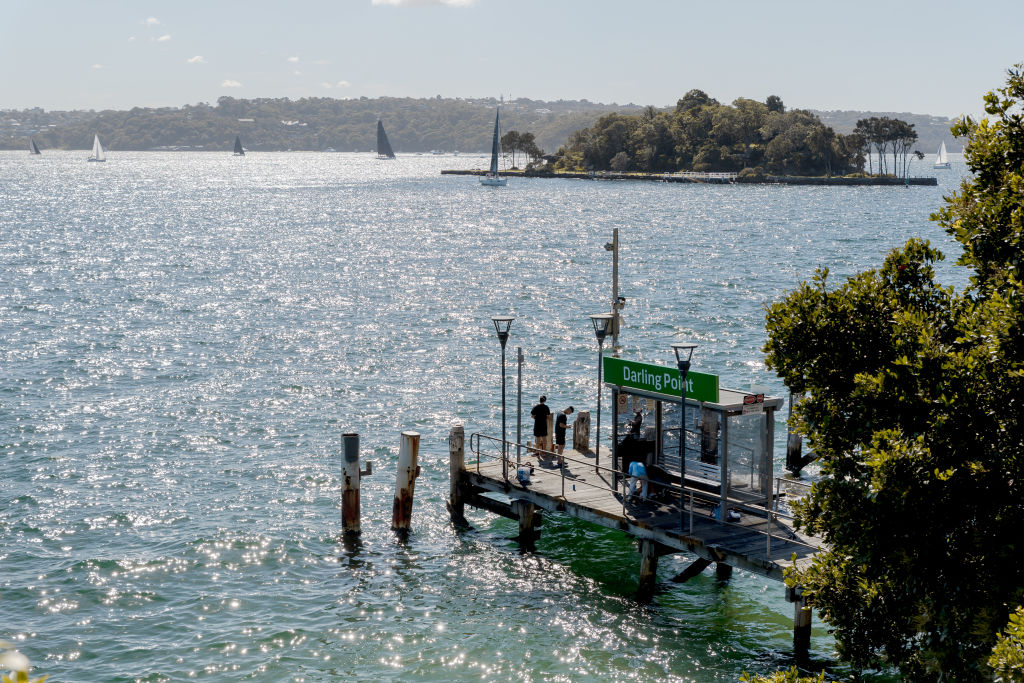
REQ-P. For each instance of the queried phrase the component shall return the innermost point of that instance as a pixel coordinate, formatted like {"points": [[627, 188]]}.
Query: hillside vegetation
{"points": [[413, 124]]}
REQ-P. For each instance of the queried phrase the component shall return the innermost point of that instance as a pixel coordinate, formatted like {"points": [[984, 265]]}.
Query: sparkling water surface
{"points": [[184, 337]]}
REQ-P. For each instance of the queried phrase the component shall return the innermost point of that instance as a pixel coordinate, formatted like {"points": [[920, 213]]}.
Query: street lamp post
{"points": [[502, 324], [601, 322], [684, 354]]}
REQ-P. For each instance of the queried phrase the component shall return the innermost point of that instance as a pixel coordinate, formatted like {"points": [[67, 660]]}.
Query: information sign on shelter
{"points": [[660, 379]]}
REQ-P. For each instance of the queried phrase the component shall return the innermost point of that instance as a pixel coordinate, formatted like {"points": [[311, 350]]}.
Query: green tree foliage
{"points": [[791, 675], [701, 134], [514, 141], [884, 136], [510, 142], [915, 400], [1007, 660]]}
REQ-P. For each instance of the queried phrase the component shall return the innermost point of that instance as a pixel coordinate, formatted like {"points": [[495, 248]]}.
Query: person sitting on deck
{"points": [[637, 479]]}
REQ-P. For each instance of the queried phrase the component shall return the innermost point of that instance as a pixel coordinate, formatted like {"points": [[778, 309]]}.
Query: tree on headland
{"points": [[514, 141], [701, 134], [510, 144], [886, 136], [915, 409]]}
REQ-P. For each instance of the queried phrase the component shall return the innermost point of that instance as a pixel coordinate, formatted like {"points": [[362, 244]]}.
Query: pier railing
{"points": [[689, 501]]}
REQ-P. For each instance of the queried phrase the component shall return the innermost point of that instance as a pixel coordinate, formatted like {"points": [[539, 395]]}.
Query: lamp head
{"points": [[601, 323], [684, 353], [502, 324]]}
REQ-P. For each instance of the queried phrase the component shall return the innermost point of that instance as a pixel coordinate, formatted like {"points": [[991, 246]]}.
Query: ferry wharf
{"points": [[712, 492]]}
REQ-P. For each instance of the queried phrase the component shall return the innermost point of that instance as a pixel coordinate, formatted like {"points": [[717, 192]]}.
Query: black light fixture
{"points": [[601, 323], [502, 325], [684, 353]]}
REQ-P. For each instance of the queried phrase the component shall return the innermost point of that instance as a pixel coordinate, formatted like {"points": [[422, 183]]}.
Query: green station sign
{"points": [[660, 379]]}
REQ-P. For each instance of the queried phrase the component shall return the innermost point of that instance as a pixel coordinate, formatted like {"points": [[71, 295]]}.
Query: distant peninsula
{"points": [[347, 125]]}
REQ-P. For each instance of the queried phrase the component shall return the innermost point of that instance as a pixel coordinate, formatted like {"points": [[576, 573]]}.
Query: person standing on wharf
{"points": [[561, 423], [540, 414]]}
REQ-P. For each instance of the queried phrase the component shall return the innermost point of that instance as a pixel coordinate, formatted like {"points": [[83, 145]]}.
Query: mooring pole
{"points": [[350, 487], [801, 624], [457, 461], [408, 470]]}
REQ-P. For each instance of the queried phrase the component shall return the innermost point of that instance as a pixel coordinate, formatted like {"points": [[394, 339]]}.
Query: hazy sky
{"points": [[923, 57]]}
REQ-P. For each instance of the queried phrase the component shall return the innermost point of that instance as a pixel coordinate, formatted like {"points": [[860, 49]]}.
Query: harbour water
{"points": [[184, 337]]}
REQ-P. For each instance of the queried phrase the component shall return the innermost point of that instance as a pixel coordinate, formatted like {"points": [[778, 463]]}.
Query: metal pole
{"points": [[597, 436], [519, 407], [615, 290], [504, 436]]}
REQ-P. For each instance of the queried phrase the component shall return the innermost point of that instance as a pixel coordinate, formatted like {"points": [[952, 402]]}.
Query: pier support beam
{"points": [[405, 482], [457, 464], [723, 571], [699, 565]]}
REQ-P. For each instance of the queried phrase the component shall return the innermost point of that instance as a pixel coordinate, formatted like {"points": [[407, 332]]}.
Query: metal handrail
{"points": [[476, 444]]}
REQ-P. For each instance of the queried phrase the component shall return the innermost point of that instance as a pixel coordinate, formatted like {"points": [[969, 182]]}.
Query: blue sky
{"points": [[922, 57]]}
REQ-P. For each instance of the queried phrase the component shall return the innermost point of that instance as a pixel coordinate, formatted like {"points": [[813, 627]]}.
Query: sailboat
{"points": [[493, 178], [239, 152], [97, 150], [384, 150], [941, 158], [33, 148]]}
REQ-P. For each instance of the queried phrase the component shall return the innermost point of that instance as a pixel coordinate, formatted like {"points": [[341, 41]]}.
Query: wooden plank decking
{"points": [[588, 496]]}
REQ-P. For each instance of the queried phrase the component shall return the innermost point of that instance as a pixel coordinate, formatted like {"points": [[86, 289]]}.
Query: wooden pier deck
{"points": [[754, 543]]}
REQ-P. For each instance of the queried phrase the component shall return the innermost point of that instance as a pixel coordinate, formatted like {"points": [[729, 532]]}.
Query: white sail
{"points": [[97, 150], [941, 158]]}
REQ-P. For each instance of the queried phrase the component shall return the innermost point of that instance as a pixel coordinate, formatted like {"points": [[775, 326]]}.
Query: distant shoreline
{"points": [[716, 179]]}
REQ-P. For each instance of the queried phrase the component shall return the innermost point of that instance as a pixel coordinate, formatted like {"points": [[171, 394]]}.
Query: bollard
{"points": [[457, 464], [352, 477], [408, 470], [581, 432]]}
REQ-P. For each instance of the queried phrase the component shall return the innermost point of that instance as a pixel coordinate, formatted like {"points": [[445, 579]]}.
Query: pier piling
{"points": [[351, 477], [408, 470], [581, 432], [529, 521], [801, 624], [648, 569], [457, 462]]}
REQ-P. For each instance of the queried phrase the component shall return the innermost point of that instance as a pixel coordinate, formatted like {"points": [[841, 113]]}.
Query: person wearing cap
{"points": [[540, 413], [561, 424]]}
